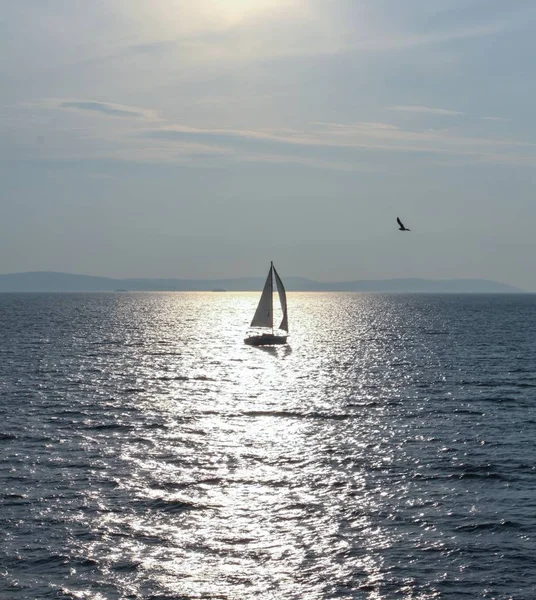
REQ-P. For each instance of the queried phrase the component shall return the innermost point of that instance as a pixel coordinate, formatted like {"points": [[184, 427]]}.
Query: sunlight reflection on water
{"points": [[194, 466], [237, 483]]}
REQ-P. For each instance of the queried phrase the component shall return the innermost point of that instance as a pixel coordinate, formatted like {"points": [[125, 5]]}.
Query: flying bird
{"points": [[402, 227]]}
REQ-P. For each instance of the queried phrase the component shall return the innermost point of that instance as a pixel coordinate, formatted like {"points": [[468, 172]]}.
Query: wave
{"points": [[167, 506], [110, 426], [126, 566], [489, 526], [478, 472], [298, 415]]}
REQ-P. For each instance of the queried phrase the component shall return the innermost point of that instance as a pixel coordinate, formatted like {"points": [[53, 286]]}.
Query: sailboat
{"points": [[264, 315]]}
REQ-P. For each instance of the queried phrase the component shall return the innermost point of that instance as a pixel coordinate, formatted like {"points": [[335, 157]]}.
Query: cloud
{"points": [[426, 110], [360, 145], [363, 125], [495, 119], [402, 40], [340, 143], [108, 109]]}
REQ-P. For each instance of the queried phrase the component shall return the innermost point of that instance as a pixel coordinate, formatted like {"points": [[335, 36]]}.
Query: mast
{"points": [[272, 293]]}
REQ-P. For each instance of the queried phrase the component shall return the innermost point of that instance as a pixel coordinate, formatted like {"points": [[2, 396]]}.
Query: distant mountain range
{"points": [[47, 281]]}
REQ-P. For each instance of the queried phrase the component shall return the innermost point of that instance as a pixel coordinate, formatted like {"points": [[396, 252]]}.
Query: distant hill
{"points": [[47, 281]]}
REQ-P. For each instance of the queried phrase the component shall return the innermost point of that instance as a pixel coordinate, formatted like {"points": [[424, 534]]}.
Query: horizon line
{"points": [[227, 278]]}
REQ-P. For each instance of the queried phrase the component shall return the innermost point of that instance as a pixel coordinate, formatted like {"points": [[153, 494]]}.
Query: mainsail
{"points": [[282, 299], [264, 315]]}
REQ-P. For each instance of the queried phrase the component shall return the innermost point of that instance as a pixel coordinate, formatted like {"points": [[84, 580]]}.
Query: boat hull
{"points": [[266, 339]]}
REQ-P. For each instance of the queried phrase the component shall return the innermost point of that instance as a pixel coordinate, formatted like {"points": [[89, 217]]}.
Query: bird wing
{"points": [[399, 222]]}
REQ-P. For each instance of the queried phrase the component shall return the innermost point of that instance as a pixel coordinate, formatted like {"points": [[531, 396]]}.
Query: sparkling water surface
{"points": [[389, 451]]}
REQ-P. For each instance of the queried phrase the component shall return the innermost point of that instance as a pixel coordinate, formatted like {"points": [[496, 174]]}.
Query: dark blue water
{"points": [[388, 452]]}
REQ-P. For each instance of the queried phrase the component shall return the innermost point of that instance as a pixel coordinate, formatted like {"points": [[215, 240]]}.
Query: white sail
{"points": [[283, 300], [264, 315]]}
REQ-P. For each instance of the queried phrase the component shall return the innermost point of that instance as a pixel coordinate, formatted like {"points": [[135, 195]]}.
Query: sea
{"points": [[387, 452]]}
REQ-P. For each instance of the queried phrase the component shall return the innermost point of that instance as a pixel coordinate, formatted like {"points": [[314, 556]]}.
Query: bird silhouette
{"points": [[402, 227]]}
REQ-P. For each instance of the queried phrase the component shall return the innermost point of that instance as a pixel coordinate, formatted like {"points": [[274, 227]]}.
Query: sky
{"points": [[171, 138]]}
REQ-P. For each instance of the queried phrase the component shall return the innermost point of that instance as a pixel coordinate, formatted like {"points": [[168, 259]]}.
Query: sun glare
{"points": [[235, 11], [177, 18], [184, 17]]}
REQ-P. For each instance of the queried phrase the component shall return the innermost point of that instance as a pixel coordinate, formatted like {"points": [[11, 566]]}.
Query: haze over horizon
{"points": [[202, 140]]}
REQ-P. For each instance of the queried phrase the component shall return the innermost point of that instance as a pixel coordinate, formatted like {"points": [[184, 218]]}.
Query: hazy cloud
{"points": [[108, 109], [350, 137], [495, 119], [426, 110]]}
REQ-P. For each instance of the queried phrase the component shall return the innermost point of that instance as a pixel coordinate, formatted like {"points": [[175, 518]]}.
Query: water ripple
{"points": [[146, 452]]}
